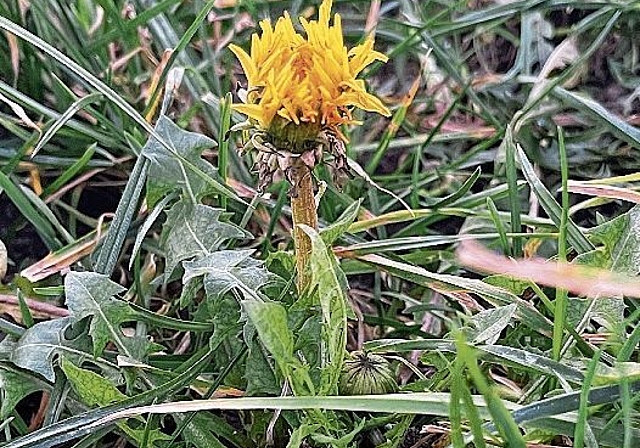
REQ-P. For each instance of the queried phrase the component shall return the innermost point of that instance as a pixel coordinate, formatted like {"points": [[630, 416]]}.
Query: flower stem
{"points": [[303, 207]]}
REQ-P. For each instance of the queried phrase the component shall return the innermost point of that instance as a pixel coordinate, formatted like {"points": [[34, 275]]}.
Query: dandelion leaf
{"points": [[182, 167], [195, 231], [227, 270], [39, 347], [14, 386], [95, 390], [89, 294]]}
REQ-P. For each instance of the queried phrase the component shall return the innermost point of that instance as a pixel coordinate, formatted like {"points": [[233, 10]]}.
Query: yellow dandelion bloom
{"points": [[310, 81]]}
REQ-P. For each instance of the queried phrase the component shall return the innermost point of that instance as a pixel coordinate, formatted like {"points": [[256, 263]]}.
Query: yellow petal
{"points": [[247, 64], [325, 12]]}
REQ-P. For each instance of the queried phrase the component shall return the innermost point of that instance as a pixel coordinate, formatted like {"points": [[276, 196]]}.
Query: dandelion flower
{"points": [[309, 82]]}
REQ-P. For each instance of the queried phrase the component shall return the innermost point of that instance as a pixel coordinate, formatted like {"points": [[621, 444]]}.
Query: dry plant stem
{"points": [[303, 207]]}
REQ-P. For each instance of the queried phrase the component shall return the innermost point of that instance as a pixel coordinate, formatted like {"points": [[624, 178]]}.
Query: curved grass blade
{"points": [[422, 242], [89, 78], [71, 171], [618, 127], [77, 105], [443, 283], [30, 103], [459, 193], [512, 182]]}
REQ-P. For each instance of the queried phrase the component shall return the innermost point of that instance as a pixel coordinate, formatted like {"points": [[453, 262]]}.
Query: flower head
{"points": [[310, 83]]}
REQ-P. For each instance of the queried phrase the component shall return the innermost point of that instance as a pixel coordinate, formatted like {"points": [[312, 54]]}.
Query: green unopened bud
{"points": [[367, 374]]}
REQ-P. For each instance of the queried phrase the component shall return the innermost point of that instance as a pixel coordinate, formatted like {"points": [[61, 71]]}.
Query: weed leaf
{"points": [[167, 171], [333, 303], [487, 325], [37, 349], [95, 390], [225, 270], [91, 295], [195, 231], [14, 386], [334, 231], [270, 320]]}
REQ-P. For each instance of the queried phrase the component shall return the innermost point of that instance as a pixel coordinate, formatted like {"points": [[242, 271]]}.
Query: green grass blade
{"points": [[22, 202], [107, 257], [502, 419], [223, 144], [77, 105], [561, 303], [68, 174], [89, 78], [504, 242], [574, 235], [583, 414], [514, 197]]}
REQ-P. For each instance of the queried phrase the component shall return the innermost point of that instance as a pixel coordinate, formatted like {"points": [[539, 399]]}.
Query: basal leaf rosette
{"points": [[302, 89]]}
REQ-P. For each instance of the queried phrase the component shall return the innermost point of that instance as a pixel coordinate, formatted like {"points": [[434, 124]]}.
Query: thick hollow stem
{"points": [[303, 207]]}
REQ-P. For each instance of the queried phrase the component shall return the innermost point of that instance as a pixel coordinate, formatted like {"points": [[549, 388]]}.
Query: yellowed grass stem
{"points": [[303, 207]]}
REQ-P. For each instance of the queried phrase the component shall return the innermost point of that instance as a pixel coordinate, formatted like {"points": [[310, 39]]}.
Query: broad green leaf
{"points": [[224, 315], [206, 429], [487, 325], [225, 319], [260, 374], [94, 390], [91, 295], [619, 244], [14, 386], [270, 320], [37, 349], [333, 304], [81, 424], [618, 250], [227, 270], [309, 342], [195, 231], [182, 167], [342, 442], [334, 231], [513, 285], [299, 434]]}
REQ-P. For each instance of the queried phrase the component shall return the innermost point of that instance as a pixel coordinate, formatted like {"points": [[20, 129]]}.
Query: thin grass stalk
{"points": [[560, 309]]}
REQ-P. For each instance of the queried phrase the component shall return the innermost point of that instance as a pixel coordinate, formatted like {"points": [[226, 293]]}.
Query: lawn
{"points": [[237, 223]]}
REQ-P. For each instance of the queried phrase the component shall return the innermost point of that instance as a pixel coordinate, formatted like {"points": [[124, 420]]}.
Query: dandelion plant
{"points": [[300, 91]]}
